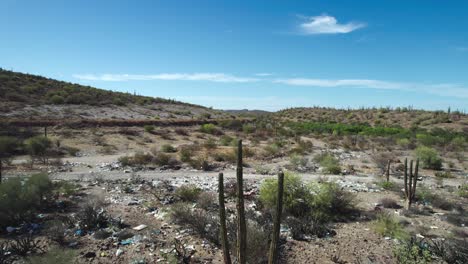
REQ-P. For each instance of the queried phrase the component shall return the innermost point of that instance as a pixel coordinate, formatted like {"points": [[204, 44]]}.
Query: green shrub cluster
{"points": [[329, 163], [20, 200], [327, 201], [429, 158]]}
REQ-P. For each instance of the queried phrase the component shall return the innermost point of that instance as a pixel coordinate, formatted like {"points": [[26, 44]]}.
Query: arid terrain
{"points": [[137, 181]]}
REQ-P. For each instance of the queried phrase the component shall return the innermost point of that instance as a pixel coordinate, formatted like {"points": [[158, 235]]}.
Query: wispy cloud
{"points": [[444, 89], [325, 24], [212, 77], [462, 49], [263, 74]]}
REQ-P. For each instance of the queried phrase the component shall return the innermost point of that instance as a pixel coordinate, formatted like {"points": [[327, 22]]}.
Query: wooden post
{"points": [[241, 226], [222, 218], [274, 247]]}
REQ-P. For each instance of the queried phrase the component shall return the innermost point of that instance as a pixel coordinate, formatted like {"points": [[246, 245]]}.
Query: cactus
{"points": [[273, 255], [410, 184], [222, 218], [387, 172], [241, 226]]}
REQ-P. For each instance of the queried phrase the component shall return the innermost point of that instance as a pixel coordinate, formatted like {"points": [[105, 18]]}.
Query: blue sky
{"points": [[248, 54]]}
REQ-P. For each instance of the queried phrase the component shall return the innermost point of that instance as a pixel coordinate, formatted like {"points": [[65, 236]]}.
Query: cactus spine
{"points": [[410, 184], [273, 255], [222, 217], [241, 226]]}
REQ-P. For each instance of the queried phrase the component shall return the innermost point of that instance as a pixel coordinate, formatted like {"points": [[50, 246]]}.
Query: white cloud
{"points": [[212, 77], [444, 89], [263, 74], [325, 24]]}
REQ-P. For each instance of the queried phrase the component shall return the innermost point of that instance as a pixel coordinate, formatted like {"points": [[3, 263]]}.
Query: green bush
{"points": [[57, 99], [412, 251], [429, 158], [149, 128], [20, 200], [444, 174], [387, 185], [388, 225], [327, 201], [295, 192], [463, 190], [38, 146], [139, 158], [188, 193], [248, 128], [167, 148], [209, 129], [329, 163], [296, 160], [226, 140], [186, 154]]}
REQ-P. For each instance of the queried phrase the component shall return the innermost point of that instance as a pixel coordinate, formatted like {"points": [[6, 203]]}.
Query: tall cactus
{"points": [[241, 226], [410, 184], [222, 217], [273, 255], [387, 172]]}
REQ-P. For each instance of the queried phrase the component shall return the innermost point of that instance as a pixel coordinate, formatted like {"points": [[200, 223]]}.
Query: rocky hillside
{"points": [[26, 96], [398, 117]]}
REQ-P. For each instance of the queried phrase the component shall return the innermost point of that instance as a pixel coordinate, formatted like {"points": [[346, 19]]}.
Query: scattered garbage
{"points": [[140, 227]]}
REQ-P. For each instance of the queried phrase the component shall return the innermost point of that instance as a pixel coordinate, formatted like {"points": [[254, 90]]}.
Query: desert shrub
{"points": [[388, 225], [272, 150], [203, 223], [162, 159], [139, 158], [329, 163], [296, 161], [37, 147], [258, 243], [381, 160], [54, 256], [188, 193], [226, 140], [442, 203], [412, 251], [387, 185], [38, 187], [56, 231], [149, 128], [210, 129], [463, 190], [389, 203], [230, 187], [210, 143], [72, 151], [206, 200], [424, 194], [332, 202], [429, 158], [57, 99], [200, 163], [181, 131], [451, 251], [308, 225], [66, 188], [167, 148], [404, 143], [186, 154], [327, 201], [92, 215], [24, 245], [248, 128], [458, 144], [296, 195], [444, 174]]}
